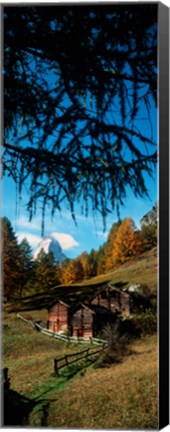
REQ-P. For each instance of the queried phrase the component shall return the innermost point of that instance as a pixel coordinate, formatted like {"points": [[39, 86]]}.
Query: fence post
{"points": [[87, 352], [56, 366]]}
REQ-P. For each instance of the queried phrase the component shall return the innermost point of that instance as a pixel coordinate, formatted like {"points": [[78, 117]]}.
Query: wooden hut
{"points": [[112, 298], [58, 317], [88, 321], [86, 318], [81, 321]]}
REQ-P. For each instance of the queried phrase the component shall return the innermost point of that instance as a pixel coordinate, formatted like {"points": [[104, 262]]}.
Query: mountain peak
{"points": [[50, 244], [150, 217]]}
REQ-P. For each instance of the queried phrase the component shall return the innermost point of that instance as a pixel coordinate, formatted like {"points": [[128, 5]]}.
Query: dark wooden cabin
{"points": [[88, 321], [113, 299], [87, 318], [81, 321], [58, 316]]}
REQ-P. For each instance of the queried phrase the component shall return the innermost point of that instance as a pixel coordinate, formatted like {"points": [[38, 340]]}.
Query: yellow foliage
{"points": [[127, 243]]}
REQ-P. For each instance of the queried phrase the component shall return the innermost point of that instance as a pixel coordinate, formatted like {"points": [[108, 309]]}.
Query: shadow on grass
{"points": [[17, 408]]}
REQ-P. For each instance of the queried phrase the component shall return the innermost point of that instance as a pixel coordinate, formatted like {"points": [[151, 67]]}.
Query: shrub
{"points": [[147, 322], [117, 345]]}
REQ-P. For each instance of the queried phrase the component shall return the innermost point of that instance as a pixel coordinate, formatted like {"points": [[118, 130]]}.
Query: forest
{"points": [[23, 275]]}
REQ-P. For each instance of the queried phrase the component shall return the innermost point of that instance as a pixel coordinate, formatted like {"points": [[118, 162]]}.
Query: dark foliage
{"points": [[77, 80]]}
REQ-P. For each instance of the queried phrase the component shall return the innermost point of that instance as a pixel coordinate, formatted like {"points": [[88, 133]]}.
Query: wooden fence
{"points": [[68, 359], [72, 339]]}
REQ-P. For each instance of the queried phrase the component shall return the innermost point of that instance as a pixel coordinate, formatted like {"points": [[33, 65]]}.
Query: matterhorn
{"points": [[50, 244]]}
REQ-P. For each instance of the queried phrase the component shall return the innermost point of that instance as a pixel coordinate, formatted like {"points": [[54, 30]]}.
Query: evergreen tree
{"points": [[93, 260], [57, 269], [11, 261], [27, 266], [101, 260], [149, 236], [44, 271]]}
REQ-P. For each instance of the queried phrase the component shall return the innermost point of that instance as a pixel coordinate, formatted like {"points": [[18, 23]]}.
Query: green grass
{"points": [[121, 396]]}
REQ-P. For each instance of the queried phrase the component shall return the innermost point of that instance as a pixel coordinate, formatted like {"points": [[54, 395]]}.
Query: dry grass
{"points": [[122, 396]]}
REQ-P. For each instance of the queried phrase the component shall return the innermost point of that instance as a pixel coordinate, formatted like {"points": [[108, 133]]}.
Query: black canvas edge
{"points": [[163, 290]]}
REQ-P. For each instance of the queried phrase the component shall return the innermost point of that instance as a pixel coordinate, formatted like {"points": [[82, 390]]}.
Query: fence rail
{"points": [[64, 338], [61, 362]]}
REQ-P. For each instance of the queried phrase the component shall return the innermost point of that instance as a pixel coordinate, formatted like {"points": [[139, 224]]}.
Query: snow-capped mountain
{"points": [[50, 244]]}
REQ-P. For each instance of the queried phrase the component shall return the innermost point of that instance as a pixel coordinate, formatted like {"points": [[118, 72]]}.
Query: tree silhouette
{"points": [[78, 80], [28, 269], [12, 268], [45, 277]]}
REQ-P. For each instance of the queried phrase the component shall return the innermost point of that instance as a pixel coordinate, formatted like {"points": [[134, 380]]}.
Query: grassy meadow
{"points": [[123, 395]]}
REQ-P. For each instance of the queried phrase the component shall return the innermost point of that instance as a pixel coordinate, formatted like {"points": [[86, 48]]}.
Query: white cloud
{"points": [[66, 240], [32, 239]]}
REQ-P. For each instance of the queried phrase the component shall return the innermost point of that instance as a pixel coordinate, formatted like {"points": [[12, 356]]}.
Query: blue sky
{"points": [[88, 233], [73, 240]]}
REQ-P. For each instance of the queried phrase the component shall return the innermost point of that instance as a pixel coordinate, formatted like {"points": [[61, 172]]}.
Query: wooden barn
{"points": [[58, 317], [87, 318], [113, 299], [88, 321], [81, 321]]}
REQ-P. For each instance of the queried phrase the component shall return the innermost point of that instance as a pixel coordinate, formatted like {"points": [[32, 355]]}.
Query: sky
{"points": [[88, 233], [73, 239]]}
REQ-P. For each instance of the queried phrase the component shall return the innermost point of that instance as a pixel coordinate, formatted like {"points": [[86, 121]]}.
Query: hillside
{"points": [[95, 398], [86, 394], [142, 270]]}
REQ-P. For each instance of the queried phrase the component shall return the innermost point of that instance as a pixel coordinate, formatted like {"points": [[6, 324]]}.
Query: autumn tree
{"points": [[109, 248], [73, 272], [127, 243], [63, 270], [87, 264], [11, 261], [77, 80]]}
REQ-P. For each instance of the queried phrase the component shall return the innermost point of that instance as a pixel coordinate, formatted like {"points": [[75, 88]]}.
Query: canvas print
{"points": [[80, 216]]}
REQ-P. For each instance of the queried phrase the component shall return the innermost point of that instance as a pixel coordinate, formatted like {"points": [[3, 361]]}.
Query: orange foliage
{"points": [[127, 243], [73, 272]]}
